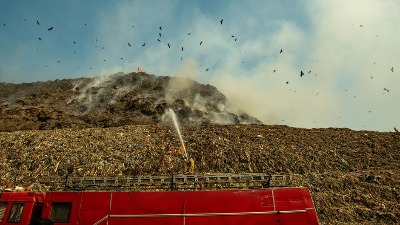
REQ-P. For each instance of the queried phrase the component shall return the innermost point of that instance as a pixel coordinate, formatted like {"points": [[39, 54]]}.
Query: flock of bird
{"points": [[129, 44], [159, 39]]}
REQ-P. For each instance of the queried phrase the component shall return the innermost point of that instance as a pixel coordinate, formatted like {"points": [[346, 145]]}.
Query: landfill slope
{"points": [[119, 125], [111, 101], [354, 176]]}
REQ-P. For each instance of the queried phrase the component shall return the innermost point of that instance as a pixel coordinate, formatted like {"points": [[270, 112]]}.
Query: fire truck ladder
{"points": [[173, 182]]}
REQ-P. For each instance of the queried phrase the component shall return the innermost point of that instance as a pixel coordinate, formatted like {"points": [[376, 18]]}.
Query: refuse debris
{"points": [[364, 191]]}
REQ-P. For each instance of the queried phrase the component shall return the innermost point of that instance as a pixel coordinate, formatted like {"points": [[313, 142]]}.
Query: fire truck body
{"points": [[259, 206]]}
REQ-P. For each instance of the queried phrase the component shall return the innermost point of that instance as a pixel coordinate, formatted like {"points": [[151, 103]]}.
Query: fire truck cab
{"points": [[20, 207]]}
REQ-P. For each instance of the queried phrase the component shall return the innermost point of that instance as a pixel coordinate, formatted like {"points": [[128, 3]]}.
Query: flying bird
{"points": [[392, 69], [158, 40], [37, 22], [160, 28], [274, 71], [169, 46], [51, 28], [143, 44], [396, 130], [301, 74], [201, 42], [281, 51], [386, 89], [222, 20], [189, 33], [309, 72], [159, 34], [40, 39], [4, 24], [207, 69], [74, 42], [129, 44], [182, 49]]}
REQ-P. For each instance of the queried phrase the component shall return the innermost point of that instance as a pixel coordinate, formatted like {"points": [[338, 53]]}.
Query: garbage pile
{"points": [[354, 176], [112, 101]]}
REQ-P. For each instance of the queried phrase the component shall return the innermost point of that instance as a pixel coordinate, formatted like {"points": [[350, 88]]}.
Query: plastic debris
{"points": [[371, 162]]}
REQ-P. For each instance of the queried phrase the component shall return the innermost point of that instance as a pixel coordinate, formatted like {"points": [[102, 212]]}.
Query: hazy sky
{"points": [[345, 48]]}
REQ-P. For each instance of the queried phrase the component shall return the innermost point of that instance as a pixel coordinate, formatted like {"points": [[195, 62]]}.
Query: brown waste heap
{"points": [[354, 176]]}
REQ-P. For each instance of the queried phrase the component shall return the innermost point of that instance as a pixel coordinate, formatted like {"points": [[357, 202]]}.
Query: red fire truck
{"points": [[190, 200]]}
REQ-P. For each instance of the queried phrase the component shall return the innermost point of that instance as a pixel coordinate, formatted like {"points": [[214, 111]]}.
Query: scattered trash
{"points": [[372, 170]]}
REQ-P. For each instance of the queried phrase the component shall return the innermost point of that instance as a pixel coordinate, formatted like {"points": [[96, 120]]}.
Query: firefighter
{"points": [[171, 150], [181, 150], [191, 166], [9, 188]]}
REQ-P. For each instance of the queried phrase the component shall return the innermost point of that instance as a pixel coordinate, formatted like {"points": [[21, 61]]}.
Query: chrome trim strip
{"points": [[206, 214], [292, 211]]}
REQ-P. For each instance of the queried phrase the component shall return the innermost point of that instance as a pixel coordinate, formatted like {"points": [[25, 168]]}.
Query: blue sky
{"points": [[346, 49]]}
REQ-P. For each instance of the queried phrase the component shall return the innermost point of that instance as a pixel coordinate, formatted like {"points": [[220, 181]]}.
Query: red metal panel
{"points": [[229, 201], [232, 220], [22, 196], [229, 207], [193, 207], [312, 217], [292, 218], [294, 206], [292, 199], [130, 207], [94, 206]]}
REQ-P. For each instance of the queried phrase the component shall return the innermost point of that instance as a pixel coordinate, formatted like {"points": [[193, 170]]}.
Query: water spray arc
{"points": [[176, 125]]}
